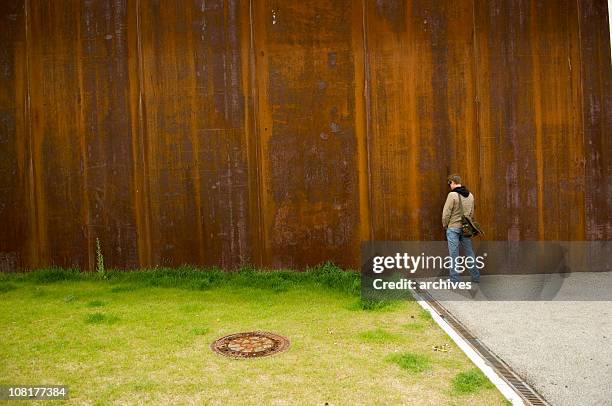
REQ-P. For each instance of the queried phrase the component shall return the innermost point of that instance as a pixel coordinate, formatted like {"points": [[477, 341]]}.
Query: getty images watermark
{"points": [[508, 270], [411, 264]]}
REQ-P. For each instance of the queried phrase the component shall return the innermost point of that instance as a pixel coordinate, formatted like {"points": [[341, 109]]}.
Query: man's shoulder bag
{"points": [[469, 226]]}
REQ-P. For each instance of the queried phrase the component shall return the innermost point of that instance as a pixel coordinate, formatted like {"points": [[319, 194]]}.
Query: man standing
{"points": [[451, 221]]}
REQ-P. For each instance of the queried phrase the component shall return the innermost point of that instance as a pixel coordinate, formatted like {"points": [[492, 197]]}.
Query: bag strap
{"points": [[460, 205]]}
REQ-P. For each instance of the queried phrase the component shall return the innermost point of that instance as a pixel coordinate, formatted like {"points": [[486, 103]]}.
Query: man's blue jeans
{"points": [[454, 236]]}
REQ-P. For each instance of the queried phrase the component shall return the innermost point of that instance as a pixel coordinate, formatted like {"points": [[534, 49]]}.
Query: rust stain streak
{"points": [[537, 99], [34, 239], [476, 101], [140, 161], [195, 140], [39, 211], [21, 242], [82, 135], [247, 60], [577, 123], [362, 120], [262, 119], [582, 117], [484, 126], [413, 137]]}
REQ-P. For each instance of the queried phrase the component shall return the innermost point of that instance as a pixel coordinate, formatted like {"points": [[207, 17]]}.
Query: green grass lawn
{"points": [[144, 337]]}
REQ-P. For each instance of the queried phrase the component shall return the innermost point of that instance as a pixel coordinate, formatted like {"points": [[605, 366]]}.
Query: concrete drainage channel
{"points": [[510, 384]]}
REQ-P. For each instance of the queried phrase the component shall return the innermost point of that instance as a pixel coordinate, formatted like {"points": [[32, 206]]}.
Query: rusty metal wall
{"points": [[282, 133]]}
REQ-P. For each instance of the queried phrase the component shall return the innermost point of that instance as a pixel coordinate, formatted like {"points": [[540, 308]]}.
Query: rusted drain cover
{"points": [[250, 345]]}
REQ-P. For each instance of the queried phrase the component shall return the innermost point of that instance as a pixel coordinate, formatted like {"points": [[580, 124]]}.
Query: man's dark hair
{"points": [[454, 178]]}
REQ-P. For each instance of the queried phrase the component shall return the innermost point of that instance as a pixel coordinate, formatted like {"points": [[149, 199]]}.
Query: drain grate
{"points": [[529, 395], [250, 345]]}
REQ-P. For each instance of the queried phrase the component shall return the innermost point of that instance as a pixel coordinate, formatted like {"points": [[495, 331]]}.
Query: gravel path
{"points": [[562, 347]]}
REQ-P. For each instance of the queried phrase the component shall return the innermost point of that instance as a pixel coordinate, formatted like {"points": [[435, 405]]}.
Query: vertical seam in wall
{"points": [[476, 89], [602, 122], [609, 10], [605, 140], [580, 80], [537, 112], [34, 214], [258, 161], [366, 90], [142, 139], [195, 171], [81, 135], [576, 103]]}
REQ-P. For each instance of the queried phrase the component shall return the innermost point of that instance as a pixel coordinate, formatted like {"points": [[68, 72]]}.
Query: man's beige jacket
{"points": [[451, 217]]}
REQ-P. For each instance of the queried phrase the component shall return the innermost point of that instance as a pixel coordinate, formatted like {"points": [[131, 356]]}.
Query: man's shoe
{"points": [[475, 280]]}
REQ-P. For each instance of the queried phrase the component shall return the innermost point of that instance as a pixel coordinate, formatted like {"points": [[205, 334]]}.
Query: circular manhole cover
{"points": [[250, 345]]}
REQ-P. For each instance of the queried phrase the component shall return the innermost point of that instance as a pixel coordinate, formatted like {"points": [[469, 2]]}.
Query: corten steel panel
{"points": [[596, 74], [507, 119], [81, 141], [17, 245], [306, 118], [532, 159], [105, 126], [195, 130], [558, 136], [422, 112], [58, 136]]}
